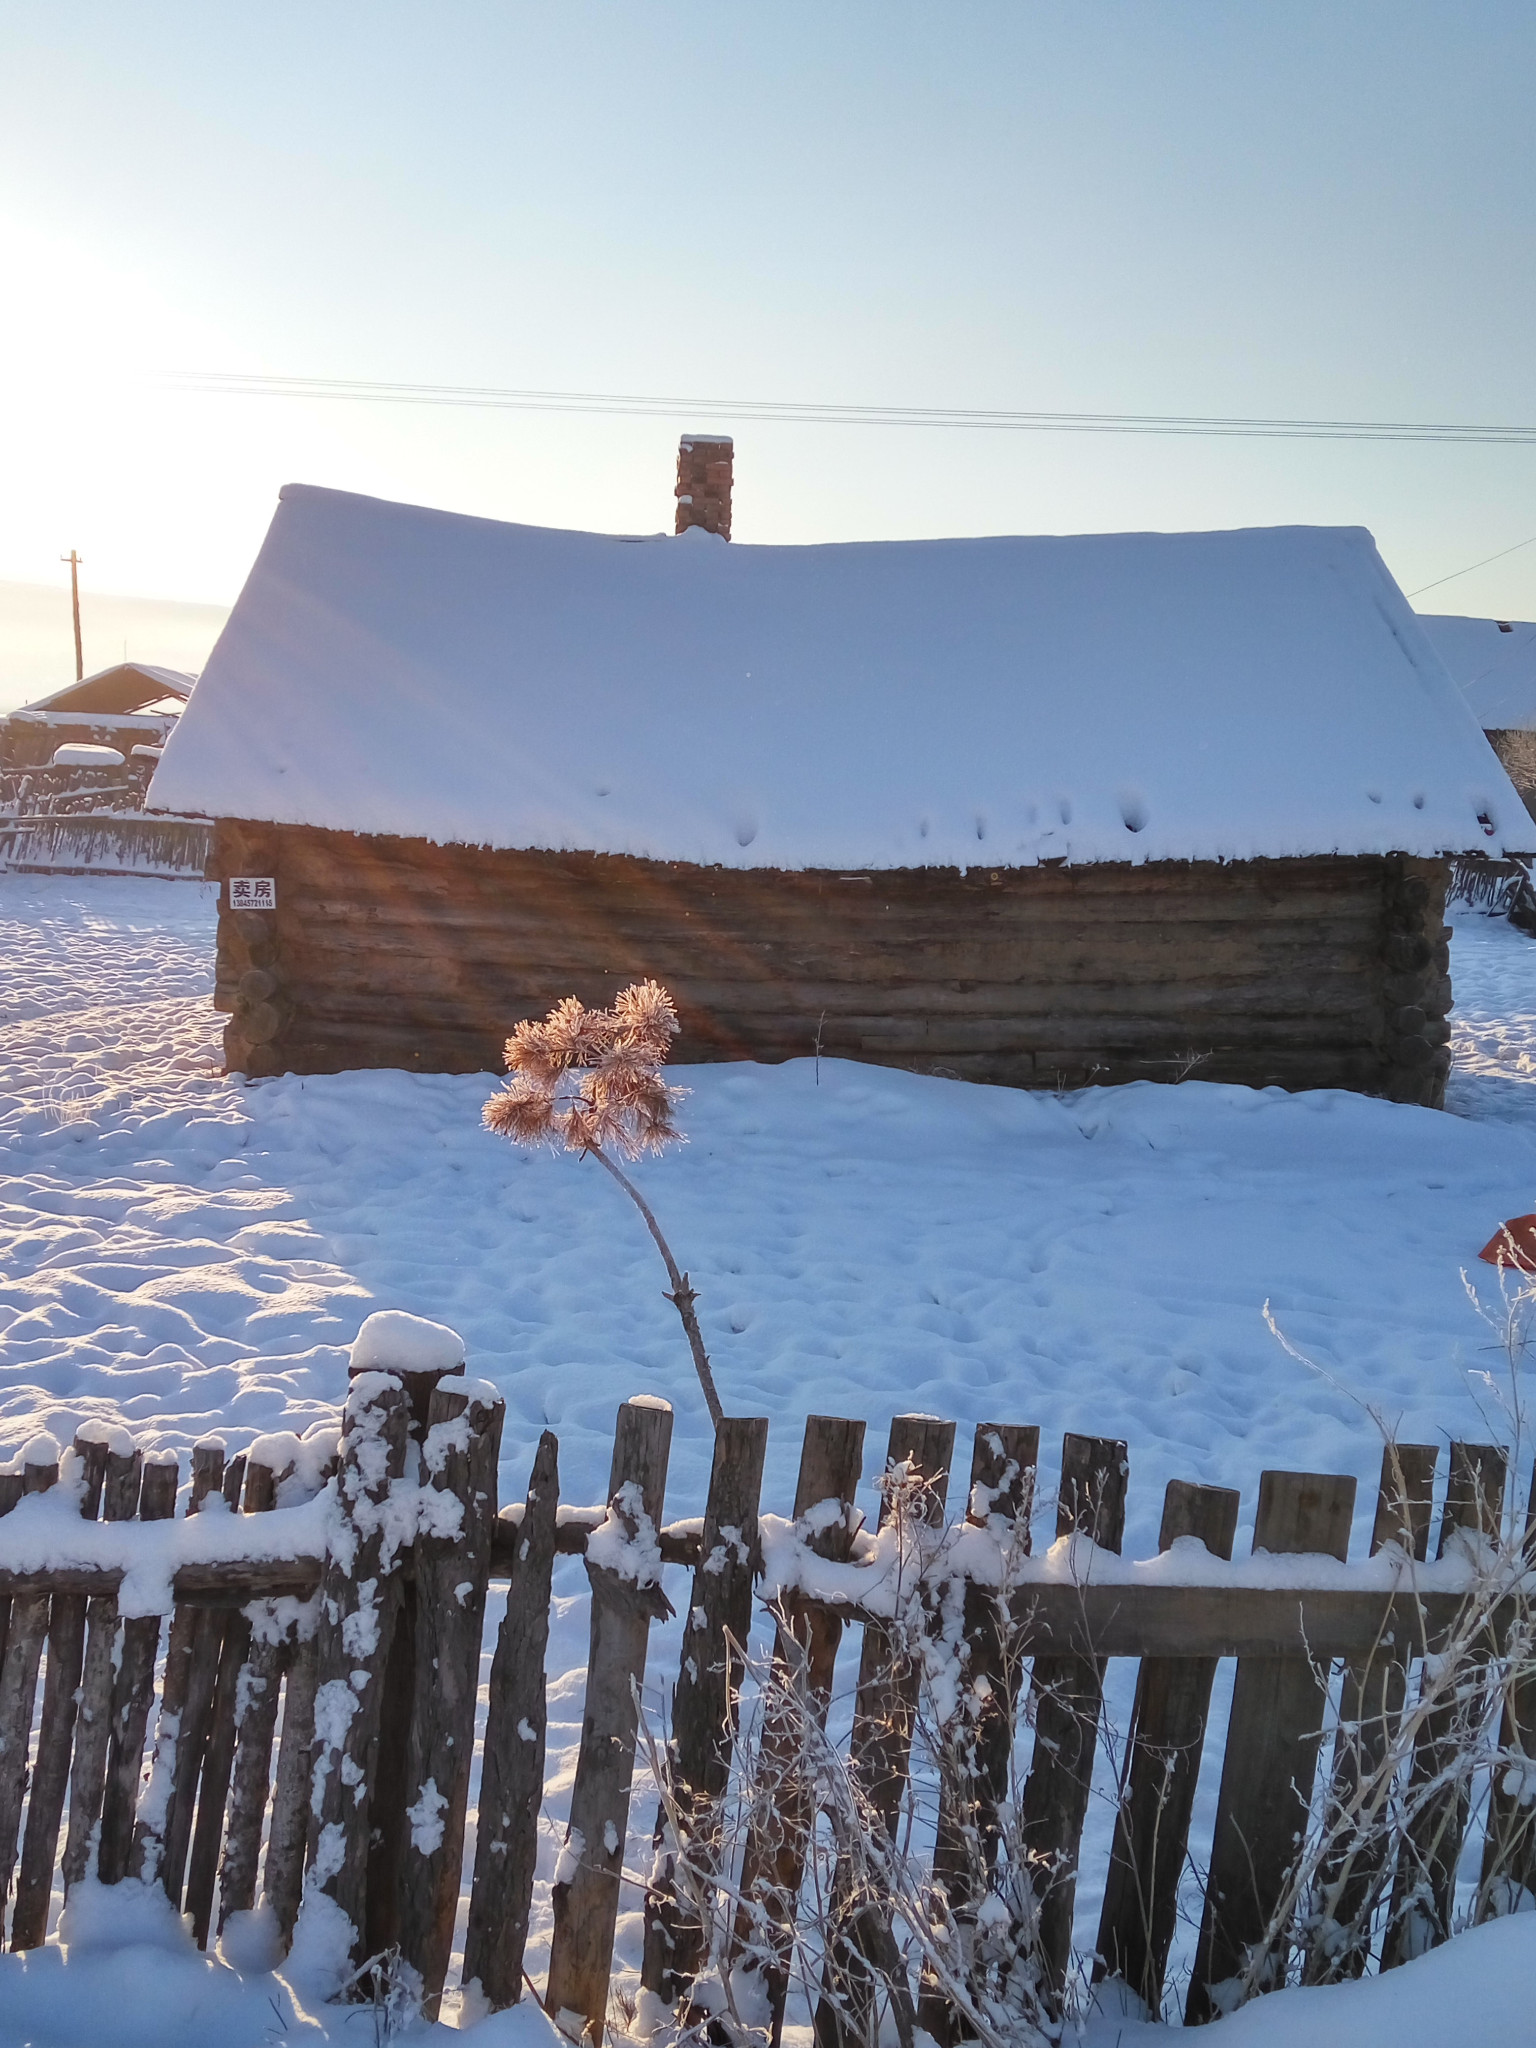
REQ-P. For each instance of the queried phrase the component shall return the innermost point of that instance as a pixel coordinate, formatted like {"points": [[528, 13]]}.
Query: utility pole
{"points": [[74, 591]]}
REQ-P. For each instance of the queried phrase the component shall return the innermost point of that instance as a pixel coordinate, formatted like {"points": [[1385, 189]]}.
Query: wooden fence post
{"points": [[704, 1702], [252, 1724], [773, 1865], [1272, 1743], [512, 1762], [93, 1728], [586, 1889], [133, 1691], [884, 1707], [1424, 1883], [1004, 1460], [288, 1831], [164, 1826], [56, 1734], [18, 1688], [1162, 1764], [1369, 1708], [359, 1596], [219, 1748], [1509, 1846], [1068, 1693], [463, 1444]]}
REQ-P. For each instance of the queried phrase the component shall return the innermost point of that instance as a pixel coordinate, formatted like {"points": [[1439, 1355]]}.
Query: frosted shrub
{"points": [[590, 1081]]}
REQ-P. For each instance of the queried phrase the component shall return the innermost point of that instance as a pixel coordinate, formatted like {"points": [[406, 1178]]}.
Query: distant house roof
{"points": [[1267, 692], [127, 687], [1493, 663]]}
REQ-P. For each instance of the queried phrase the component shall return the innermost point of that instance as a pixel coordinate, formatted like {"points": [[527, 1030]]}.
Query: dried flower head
{"points": [[591, 1079]]}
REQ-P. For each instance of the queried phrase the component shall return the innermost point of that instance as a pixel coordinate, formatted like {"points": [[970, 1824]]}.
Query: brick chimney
{"points": [[704, 483]]}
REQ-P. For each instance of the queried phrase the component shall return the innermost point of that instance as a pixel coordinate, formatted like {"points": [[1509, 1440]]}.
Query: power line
{"points": [[360, 391], [1519, 544]]}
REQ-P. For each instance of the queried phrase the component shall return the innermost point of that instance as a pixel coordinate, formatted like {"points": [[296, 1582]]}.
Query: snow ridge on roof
{"points": [[1493, 664], [999, 702]]}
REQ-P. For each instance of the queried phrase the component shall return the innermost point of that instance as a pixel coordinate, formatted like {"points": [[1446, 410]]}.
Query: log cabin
{"points": [[1042, 811]]}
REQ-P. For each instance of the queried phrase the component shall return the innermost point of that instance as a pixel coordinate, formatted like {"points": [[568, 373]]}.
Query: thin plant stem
{"points": [[682, 1295]]}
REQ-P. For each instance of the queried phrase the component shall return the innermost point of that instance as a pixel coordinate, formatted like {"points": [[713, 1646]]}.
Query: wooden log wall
{"points": [[210, 1799], [1319, 972]]}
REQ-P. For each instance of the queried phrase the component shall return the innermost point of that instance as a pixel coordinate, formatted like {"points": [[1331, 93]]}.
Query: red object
{"points": [[1513, 1244]]}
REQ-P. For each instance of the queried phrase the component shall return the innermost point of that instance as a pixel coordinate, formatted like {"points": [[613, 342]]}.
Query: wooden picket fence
{"points": [[365, 1698]]}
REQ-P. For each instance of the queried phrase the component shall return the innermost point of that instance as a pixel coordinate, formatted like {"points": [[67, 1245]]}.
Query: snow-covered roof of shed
{"points": [[124, 687], [1493, 664], [389, 669]]}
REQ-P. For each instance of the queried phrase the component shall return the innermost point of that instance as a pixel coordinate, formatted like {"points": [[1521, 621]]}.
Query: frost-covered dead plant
{"points": [[1377, 1868], [870, 1920], [590, 1081]]}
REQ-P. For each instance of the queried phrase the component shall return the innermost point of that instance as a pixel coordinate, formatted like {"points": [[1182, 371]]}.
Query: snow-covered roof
{"points": [[941, 703], [126, 686], [1493, 662]]}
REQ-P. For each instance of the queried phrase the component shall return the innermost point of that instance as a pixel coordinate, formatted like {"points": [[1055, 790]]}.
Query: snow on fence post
{"points": [[93, 1726], [1273, 1736], [704, 1702], [1004, 1460], [1424, 1883], [624, 1567], [1370, 1706], [252, 1724], [56, 1734], [773, 1865], [1068, 1693], [453, 1563], [1163, 1748], [133, 1691], [18, 1679], [359, 1600], [512, 1762], [884, 1706]]}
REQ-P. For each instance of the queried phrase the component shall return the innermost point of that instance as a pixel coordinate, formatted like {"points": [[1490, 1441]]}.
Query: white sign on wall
{"points": [[252, 892]]}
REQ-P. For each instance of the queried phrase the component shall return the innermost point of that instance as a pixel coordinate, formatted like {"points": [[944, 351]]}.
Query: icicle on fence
{"points": [[322, 1605]]}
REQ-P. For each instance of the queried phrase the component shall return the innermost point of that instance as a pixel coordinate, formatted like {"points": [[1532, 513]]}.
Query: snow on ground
{"points": [[192, 1255]]}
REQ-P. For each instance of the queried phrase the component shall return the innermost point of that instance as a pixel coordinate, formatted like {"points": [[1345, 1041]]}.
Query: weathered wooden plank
{"points": [[1439, 1795], [218, 1764], [1163, 1751], [133, 1692], [1004, 1461], [1369, 1708], [805, 1654], [288, 1833], [463, 1442], [56, 1731], [1509, 1844], [1066, 1694], [698, 1754], [255, 1721], [512, 1763], [198, 1649], [18, 1695], [359, 1602], [585, 1896], [217, 1583], [885, 1704], [93, 1727], [1272, 1742]]}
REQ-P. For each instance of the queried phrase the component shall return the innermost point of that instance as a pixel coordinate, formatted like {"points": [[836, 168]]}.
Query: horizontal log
{"points": [[225, 1583], [679, 1541]]}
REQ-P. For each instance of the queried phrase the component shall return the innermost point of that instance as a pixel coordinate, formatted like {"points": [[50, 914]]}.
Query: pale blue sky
{"points": [[1138, 205]]}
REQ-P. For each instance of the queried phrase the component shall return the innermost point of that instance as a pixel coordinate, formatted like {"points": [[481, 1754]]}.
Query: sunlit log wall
{"points": [[385, 952]]}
